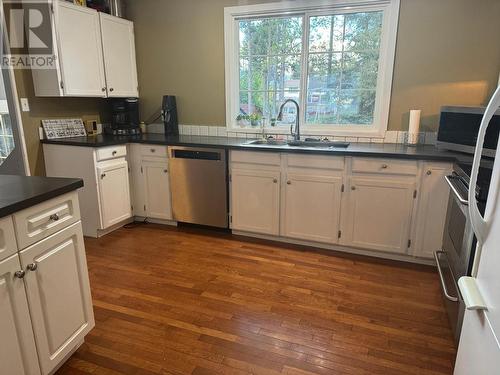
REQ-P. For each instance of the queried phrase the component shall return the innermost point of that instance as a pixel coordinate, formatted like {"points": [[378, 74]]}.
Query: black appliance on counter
{"points": [[125, 117], [169, 115]]}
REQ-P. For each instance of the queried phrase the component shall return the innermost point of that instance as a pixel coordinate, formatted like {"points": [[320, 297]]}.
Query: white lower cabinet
{"points": [[18, 354], [311, 207], [379, 212], [157, 189], [58, 293], [255, 198], [114, 192], [433, 203]]}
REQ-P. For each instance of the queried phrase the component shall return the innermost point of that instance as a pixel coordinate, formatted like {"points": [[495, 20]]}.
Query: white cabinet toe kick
{"points": [[388, 208]]}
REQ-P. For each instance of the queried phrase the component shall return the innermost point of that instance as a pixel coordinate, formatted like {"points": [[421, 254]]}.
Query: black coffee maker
{"points": [[124, 117]]}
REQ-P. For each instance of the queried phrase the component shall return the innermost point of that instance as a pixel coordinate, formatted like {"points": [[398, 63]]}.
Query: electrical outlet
{"points": [[25, 105]]}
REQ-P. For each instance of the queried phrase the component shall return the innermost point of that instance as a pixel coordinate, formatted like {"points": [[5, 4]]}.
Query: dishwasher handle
{"points": [[195, 154]]}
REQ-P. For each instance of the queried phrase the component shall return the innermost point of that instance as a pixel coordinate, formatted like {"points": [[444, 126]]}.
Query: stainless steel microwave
{"points": [[459, 126]]}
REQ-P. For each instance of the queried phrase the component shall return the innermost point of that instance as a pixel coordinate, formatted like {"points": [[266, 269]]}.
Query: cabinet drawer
{"points": [[8, 244], [315, 161], [44, 219], [154, 150], [251, 157], [111, 152], [386, 166]]}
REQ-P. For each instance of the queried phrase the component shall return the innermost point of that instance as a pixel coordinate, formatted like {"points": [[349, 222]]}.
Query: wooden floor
{"points": [[188, 301]]}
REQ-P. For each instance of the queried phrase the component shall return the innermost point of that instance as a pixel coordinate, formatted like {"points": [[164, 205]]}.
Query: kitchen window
{"points": [[334, 58]]}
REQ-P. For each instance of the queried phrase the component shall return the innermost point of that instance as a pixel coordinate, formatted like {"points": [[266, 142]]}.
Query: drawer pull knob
{"points": [[103, 89], [275, 180], [384, 166], [353, 187], [289, 182], [113, 153], [429, 173], [20, 274], [111, 89], [153, 150], [165, 171], [103, 175], [32, 267], [54, 217]]}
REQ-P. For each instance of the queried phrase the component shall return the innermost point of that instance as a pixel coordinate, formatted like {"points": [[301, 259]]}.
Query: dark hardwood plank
{"points": [[193, 301]]}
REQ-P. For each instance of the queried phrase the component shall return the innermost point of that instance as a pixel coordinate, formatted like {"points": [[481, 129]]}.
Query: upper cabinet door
{"points": [[114, 193], [119, 56], [17, 352], [58, 290], [379, 214], [80, 50], [312, 207]]}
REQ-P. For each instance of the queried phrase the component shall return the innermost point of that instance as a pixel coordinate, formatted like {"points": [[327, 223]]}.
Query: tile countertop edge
{"points": [[35, 190], [380, 150]]}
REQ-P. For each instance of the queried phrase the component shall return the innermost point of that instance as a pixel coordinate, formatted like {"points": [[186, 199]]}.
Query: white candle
{"points": [[414, 126]]}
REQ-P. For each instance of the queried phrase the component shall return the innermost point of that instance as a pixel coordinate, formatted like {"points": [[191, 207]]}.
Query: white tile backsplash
{"points": [[221, 131]]}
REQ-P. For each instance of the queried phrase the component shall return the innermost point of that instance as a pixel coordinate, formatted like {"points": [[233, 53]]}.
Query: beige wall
{"points": [[48, 108], [448, 52]]}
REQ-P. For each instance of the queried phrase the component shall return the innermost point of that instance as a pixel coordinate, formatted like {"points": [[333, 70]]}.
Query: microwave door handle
{"points": [[479, 224]]}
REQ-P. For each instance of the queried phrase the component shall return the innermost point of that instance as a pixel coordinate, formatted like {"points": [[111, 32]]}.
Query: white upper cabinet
{"points": [[95, 55], [379, 214], [255, 197], [18, 354], [114, 192], [58, 292], [119, 56], [311, 209]]}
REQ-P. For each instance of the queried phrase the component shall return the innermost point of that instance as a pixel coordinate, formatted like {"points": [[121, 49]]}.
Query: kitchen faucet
{"points": [[296, 135]]}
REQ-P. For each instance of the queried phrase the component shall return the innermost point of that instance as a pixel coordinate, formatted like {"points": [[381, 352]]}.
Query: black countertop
{"points": [[20, 192], [391, 150]]}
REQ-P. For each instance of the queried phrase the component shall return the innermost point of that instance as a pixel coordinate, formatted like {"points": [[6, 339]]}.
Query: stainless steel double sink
{"points": [[301, 143]]}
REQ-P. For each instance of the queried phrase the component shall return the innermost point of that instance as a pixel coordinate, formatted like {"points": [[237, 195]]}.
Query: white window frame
{"points": [[308, 8]]}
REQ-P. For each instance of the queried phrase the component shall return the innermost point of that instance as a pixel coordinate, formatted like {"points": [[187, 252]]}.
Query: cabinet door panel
{"points": [[114, 193], [80, 50], [157, 186], [58, 294], [312, 207], [119, 56], [18, 352], [379, 214], [255, 201], [432, 206], [8, 245]]}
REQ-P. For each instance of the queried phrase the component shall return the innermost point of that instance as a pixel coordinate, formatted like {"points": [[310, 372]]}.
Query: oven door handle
{"points": [[455, 191], [440, 271]]}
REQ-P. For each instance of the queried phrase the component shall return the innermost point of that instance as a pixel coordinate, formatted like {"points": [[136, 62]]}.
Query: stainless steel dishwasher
{"points": [[198, 178]]}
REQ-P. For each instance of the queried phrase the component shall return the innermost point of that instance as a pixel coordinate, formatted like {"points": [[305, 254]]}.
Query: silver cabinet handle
{"points": [[275, 180], [446, 294], [455, 191], [384, 166], [20, 274], [32, 267], [54, 217]]}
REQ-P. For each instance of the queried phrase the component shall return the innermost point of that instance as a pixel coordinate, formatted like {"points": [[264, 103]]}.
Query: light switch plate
{"points": [[25, 105]]}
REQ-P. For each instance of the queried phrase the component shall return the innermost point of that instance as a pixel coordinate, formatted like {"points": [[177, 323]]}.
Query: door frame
{"points": [[13, 104]]}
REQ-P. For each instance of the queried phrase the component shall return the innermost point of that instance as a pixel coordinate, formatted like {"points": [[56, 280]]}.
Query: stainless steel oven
{"points": [[459, 242]]}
